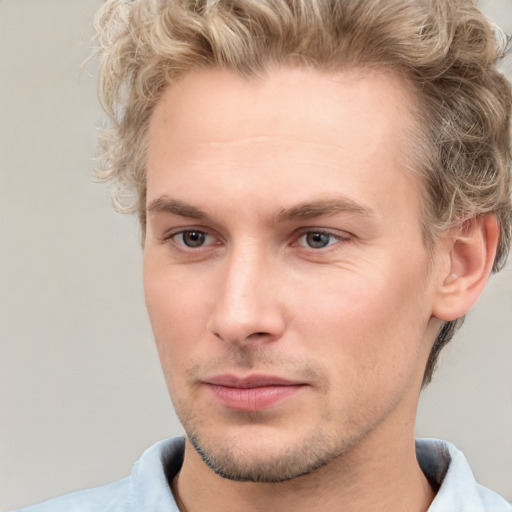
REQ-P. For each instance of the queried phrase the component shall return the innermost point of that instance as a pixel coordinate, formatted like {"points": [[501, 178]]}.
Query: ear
{"points": [[470, 251]]}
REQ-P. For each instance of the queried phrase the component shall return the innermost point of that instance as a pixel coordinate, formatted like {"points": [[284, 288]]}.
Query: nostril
{"points": [[260, 334]]}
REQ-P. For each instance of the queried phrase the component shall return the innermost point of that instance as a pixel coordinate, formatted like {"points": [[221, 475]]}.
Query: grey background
{"points": [[81, 392]]}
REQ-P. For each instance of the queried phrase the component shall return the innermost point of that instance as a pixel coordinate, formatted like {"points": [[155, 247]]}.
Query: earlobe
{"points": [[471, 253]]}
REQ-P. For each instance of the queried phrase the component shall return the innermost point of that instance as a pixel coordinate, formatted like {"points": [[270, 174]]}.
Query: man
{"points": [[323, 188]]}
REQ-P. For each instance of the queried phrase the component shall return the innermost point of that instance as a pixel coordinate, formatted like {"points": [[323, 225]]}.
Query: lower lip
{"points": [[253, 399]]}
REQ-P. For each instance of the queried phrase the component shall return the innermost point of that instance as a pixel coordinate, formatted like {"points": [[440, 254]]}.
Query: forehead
{"points": [[297, 130], [306, 103]]}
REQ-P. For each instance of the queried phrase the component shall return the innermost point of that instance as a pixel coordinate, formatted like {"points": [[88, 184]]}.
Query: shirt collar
{"points": [[447, 468], [444, 466]]}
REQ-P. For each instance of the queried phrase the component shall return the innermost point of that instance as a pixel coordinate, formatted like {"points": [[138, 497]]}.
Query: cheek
{"points": [[368, 340], [178, 313], [366, 325]]}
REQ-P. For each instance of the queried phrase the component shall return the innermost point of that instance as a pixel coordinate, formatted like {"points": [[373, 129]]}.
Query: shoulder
{"points": [[492, 500], [146, 488], [108, 498]]}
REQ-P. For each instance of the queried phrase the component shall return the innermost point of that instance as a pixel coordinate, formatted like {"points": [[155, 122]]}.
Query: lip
{"points": [[253, 392]]}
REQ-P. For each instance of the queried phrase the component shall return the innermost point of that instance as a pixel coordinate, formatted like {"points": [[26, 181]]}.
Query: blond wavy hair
{"points": [[446, 49]]}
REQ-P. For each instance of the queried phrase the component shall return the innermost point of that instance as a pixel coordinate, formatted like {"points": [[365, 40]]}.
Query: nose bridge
{"points": [[247, 307]]}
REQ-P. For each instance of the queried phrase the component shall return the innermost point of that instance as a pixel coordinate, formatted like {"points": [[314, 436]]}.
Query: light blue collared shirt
{"points": [[147, 488]]}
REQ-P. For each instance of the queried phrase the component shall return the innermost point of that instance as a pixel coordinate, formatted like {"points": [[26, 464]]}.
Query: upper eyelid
{"points": [[299, 231], [324, 231], [170, 233]]}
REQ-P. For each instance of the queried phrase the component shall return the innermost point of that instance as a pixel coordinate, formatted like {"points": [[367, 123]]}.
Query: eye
{"points": [[318, 239], [192, 238]]}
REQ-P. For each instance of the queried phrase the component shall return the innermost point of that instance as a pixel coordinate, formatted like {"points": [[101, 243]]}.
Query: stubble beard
{"points": [[241, 461], [232, 463], [269, 459]]}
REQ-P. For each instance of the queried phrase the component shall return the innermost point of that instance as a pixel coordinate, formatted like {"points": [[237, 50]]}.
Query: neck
{"points": [[377, 477]]}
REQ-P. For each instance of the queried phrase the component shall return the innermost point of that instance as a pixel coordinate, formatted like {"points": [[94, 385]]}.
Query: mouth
{"points": [[252, 393]]}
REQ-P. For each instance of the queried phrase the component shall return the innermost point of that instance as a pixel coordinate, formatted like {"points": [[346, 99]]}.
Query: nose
{"points": [[247, 309]]}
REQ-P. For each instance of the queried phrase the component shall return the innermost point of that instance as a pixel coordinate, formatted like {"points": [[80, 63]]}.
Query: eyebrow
{"points": [[165, 204], [307, 210], [324, 208]]}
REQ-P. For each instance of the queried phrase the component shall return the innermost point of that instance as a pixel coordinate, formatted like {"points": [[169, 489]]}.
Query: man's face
{"points": [[286, 277]]}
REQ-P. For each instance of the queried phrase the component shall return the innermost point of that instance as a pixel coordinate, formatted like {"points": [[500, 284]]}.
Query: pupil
{"points": [[317, 240], [193, 238]]}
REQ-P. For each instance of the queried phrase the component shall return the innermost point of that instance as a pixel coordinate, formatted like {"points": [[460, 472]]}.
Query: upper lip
{"points": [[250, 381]]}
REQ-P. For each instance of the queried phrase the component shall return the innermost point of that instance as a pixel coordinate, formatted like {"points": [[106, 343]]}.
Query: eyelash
{"points": [[173, 236], [333, 236], [202, 233]]}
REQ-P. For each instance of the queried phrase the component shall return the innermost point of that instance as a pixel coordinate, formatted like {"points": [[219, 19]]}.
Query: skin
{"points": [[255, 172]]}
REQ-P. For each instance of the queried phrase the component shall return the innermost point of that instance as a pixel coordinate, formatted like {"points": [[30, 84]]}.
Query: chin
{"points": [[263, 461]]}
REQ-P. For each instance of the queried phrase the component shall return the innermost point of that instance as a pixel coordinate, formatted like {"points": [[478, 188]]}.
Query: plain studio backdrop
{"points": [[81, 391]]}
